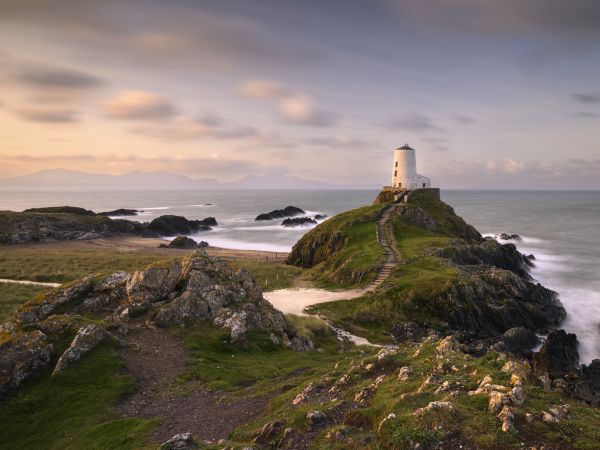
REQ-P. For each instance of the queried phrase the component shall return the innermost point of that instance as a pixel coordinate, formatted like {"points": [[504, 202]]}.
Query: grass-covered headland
{"points": [[179, 344]]}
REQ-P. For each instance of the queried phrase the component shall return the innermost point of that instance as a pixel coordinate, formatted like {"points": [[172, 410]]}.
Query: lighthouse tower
{"points": [[404, 174]]}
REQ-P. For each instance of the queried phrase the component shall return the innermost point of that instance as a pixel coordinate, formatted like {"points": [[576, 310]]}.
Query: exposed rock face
{"points": [[298, 221], [587, 386], [170, 225], [183, 242], [22, 354], [288, 211], [558, 355], [489, 253], [409, 331], [315, 419], [183, 441], [179, 293], [86, 339], [72, 223]]}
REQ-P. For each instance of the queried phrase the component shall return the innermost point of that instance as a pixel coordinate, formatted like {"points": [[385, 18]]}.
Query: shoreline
{"points": [[146, 245]]}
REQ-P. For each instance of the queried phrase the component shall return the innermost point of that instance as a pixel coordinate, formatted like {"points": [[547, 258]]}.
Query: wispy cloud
{"points": [[46, 115], [138, 105], [412, 122], [45, 77], [587, 98]]}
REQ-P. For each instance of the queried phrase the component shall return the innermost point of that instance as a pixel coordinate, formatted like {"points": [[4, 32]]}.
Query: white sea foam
{"points": [[154, 208], [218, 241]]}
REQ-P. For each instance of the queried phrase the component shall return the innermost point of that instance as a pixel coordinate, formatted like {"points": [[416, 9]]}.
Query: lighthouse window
{"points": [[396, 164], [395, 172], [423, 184]]}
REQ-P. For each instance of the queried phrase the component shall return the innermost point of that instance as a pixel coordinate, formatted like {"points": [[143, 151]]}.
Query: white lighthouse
{"points": [[404, 174]]}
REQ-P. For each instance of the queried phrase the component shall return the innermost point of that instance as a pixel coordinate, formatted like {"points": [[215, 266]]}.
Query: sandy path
{"points": [[33, 283], [294, 300]]}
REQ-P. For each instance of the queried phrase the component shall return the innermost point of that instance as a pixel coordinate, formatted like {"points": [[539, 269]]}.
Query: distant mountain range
{"points": [[62, 179]]}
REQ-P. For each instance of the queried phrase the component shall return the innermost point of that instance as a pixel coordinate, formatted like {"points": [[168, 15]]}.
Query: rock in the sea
{"points": [[509, 237], [558, 355], [288, 211], [519, 340], [320, 217], [62, 210], [87, 338], [183, 441], [120, 212], [298, 221], [182, 242], [169, 225]]}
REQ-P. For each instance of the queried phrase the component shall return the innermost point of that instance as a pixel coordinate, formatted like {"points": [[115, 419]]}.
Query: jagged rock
{"points": [[447, 347], [181, 242], [22, 354], [183, 441], [364, 395], [301, 397], [519, 340], [62, 210], [268, 431], [507, 417], [408, 331], [558, 355], [435, 406], [298, 221], [556, 413], [497, 401], [517, 395], [87, 338], [169, 225], [385, 420], [509, 237], [152, 284], [404, 373], [288, 211], [587, 384], [342, 382], [314, 419], [320, 217]]}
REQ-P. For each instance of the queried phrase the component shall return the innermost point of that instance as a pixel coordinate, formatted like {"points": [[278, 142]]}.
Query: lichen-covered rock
{"points": [[507, 417], [268, 432], [183, 441], [22, 354], [153, 283], [87, 338], [314, 419], [436, 406]]}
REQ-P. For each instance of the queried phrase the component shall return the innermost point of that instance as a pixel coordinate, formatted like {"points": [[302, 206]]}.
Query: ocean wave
{"points": [[232, 244], [154, 208]]}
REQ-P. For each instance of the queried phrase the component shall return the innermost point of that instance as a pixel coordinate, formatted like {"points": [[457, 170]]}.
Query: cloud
{"points": [[586, 115], [438, 144], [293, 107], [186, 129], [138, 105], [463, 119], [587, 98], [47, 115], [44, 77], [341, 143], [413, 122]]}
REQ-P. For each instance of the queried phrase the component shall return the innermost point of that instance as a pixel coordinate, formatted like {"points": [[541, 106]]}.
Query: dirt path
{"points": [[156, 358]]}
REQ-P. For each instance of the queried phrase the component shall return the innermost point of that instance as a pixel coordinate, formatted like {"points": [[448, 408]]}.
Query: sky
{"points": [[491, 94]]}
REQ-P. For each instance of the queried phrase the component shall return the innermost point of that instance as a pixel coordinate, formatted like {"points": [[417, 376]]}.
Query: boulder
{"points": [[87, 338], [182, 242], [288, 211], [519, 340], [558, 355], [509, 237], [22, 355], [298, 221], [315, 419], [152, 284], [268, 432], [183, 441], [436, 406]]}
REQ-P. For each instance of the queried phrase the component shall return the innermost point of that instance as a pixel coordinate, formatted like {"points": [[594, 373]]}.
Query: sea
{"points": [[560, 228]]}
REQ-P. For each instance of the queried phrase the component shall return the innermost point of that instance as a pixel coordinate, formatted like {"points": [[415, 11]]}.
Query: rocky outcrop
{"points": [[178, 293], [587, 385], [120, 212], [298, 221], [519, 340], [87, 338], [288, 211], [22, 355], [170, 225], [184, 242], [62, 210], [558, 355], [182, 441]]}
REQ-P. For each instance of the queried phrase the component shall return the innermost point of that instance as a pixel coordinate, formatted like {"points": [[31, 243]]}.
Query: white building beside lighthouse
{"points": [[404, 174]]}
